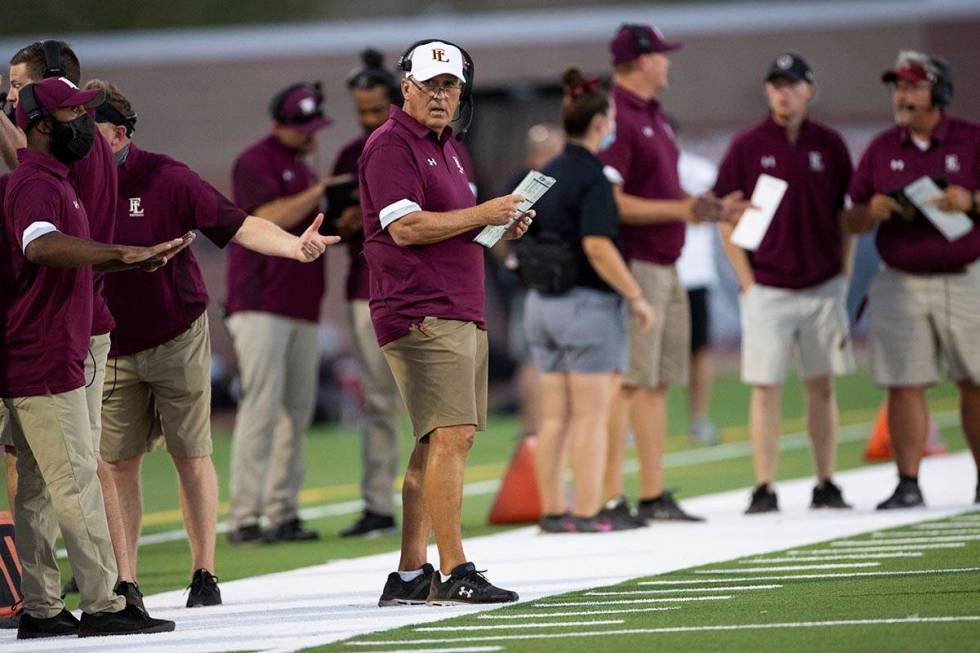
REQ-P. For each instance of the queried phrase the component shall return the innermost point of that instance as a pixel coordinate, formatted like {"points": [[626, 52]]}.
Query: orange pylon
{"points": [[880, 445], [518, 500]]}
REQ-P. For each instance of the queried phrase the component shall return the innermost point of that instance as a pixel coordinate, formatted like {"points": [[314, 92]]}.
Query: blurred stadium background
{"points": [[201, 74]]}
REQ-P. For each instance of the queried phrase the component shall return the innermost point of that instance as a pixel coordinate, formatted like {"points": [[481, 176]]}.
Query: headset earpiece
{"points": [[28, 104], [942, 87], [53, 64]]}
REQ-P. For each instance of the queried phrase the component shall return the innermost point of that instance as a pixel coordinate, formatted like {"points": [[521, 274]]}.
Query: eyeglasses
{"points": [[435, 89]]}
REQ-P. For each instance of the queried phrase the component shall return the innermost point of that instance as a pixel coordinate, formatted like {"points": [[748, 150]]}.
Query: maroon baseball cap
{"points": [[631, 41], [300, 107], [50, 94], [908, 71]]}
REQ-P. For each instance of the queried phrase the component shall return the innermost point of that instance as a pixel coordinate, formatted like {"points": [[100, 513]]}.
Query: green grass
{"points": [[332, 461], [798, 600]]}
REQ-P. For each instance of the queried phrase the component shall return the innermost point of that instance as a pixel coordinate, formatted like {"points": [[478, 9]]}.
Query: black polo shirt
{"points": [[580, 204]]}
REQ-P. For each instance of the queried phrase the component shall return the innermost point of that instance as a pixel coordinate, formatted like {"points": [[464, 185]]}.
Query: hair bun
{"points": [[571, 80], [372, 59]]}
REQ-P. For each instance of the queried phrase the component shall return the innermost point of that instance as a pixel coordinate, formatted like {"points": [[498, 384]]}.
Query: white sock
{"points": [[409, 575], [443, 578]]}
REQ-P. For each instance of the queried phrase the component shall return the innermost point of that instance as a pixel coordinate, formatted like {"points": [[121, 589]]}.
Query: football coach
{"points": [[426, 305]]}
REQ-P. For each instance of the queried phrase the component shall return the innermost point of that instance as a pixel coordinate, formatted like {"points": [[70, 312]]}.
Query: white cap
{"points": [[436, 58]]}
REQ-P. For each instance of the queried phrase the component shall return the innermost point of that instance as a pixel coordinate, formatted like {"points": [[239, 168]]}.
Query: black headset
{"points": [[106, 112], [641, 38], [54, 66], [466, 97], [942, 86], [33, 111], [373, 74], [275, 105]]}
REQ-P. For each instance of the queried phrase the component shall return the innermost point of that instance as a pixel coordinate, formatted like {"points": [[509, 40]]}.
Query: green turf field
{"points": [[927, 602], [333, 472]]}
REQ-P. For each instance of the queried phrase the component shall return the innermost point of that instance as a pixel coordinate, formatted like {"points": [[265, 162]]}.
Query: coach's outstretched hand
{"points": [[311, 245], [153, 258]]}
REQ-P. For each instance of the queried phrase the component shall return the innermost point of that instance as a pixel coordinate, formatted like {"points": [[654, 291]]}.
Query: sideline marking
{"points": [[882, 546], [689, 629], [465, 649], [553, 624], [838, 565], [909, 540], [582, 604], [935, 533], [862, 556], [579, 613], [853, 574], [945, 525], [740, 588]]}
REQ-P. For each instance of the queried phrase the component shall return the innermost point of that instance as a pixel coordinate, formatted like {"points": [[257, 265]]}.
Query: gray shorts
{"points": [[581, 331]]}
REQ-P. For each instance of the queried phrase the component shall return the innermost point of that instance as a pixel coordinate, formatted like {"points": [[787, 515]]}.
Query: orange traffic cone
{"points": [[518, 500], [880, 446]]}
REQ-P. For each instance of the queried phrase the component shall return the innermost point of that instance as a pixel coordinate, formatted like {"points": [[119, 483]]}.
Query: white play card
{"points": [[754, 224], [923, 192], [532, 187]]}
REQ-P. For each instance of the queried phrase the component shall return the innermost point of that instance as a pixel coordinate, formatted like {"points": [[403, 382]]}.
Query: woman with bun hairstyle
{"points": [[575, 317]]}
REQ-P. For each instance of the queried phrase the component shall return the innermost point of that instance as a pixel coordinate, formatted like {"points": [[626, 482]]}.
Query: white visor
{"points": [[436, 58]]}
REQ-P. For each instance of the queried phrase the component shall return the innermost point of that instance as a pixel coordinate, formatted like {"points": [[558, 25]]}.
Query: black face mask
{"points": [[71, 141]]}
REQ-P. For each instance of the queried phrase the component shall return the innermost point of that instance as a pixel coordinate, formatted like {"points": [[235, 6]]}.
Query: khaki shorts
{"points": [[915, 319], [164, 390], [659, 357], [440, 369], [6, 435], [810, 323]]}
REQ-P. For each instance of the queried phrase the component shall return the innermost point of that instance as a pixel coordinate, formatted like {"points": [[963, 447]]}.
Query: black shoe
{"points": [[663, 508], [763, 500], [203, 590], [466, 585], [128, 621], [251, 534], [371, 524], [906, 495], [291, 531], [976, 499], [555, 524], [131, 592], [62, 624], [400, 592], [71, 587], [828, 495], [618, 513], [594, 524]]}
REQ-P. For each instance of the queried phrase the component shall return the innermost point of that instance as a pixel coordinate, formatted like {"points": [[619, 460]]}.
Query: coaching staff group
{"points": [[426, 304]]}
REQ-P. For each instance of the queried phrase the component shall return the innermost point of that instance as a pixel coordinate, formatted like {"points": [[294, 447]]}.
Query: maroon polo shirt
{"points": [[803, 246], [358, 284], [94, 179], [48, 317], [893, 161], [644, 157], [160, 199], [264, 172], [405, 167]]}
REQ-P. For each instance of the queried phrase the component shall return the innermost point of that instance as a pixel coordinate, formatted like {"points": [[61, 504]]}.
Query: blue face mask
{"points": [[610, 138]]}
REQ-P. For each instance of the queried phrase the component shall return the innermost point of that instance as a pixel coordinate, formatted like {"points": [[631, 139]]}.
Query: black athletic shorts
{"points": [[700, 321]]}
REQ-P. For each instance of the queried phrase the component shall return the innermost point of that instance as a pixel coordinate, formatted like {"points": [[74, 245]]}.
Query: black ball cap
{"points": [[791, 66]]}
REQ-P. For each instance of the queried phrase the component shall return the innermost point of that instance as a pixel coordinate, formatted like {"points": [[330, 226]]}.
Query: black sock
{"points": [[905, 478], [651, 500], [557, 515]]}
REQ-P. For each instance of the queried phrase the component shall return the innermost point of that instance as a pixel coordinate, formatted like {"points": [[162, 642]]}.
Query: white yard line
{"points": [[740, 588], [865, 556], [885, 547], [313, 606], [932, 533], [907, 540], [548, 624], [690, 629], [673, 599], [943, 526], [854, 574], [576, 613], [465, 649], [749, 570]]}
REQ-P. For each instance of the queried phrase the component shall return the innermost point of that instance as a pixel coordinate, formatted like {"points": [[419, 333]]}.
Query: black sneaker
{"points": [[594, 524], [617, 512], [131, 592], [663, 508], [203, 590], [291, 531], [466, 586], [828, 495], [400, 592], [128, 621], [62, 624], [251, 534], [555, 524], [763, 500], [976, 499], [371, 524], [906, 495], [71, 587]]}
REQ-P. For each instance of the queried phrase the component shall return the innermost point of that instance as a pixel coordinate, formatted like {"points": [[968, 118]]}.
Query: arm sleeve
{"points": [[205, 208], [252, 185], [36, 209], [618, 159], [862, 183], [392, 176], [727, 180], [597, 210], [846, 171]]}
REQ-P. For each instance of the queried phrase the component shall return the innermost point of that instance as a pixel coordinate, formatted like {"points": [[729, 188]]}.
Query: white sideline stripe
{"points": [[691, 629], [875, 546], [576, 613], [864, 556], [838, 565], [550, 624], [679, 599], [740, 588], [907, 540], [729, 451], [936, 533], [853, 574], [465, 649], [946, 526]]}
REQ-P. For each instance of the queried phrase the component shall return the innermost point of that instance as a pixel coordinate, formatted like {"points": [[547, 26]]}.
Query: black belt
{"points": [[938, 273]]}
